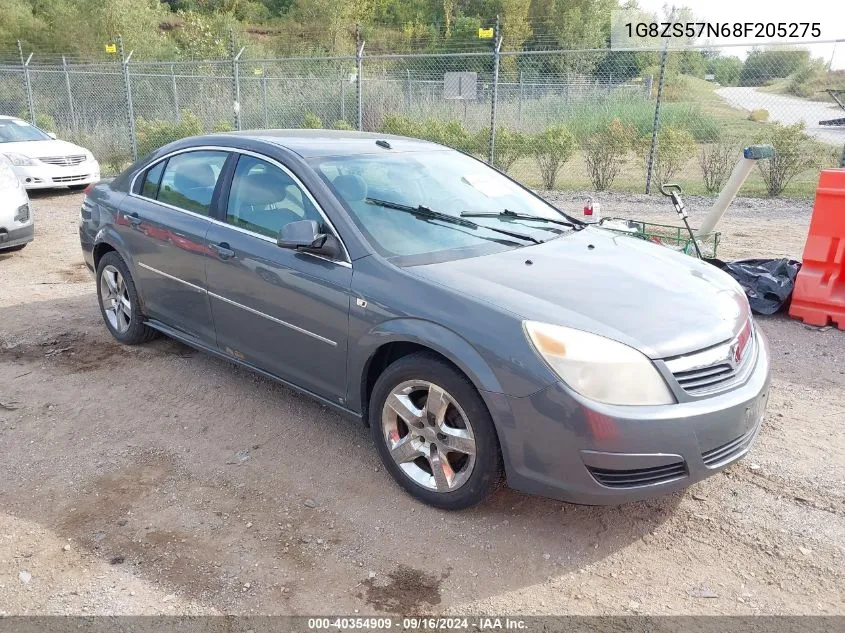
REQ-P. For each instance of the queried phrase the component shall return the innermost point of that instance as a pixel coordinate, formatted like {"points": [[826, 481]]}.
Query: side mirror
{"points": [[304, 235], [52, 135]]}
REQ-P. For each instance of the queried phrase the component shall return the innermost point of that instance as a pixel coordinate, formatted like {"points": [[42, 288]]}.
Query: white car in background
{"points": [[16, 226], [42, 162]]}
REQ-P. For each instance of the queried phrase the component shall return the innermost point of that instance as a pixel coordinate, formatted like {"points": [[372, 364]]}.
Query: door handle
{"points": [[134, 219], [223, 251]]}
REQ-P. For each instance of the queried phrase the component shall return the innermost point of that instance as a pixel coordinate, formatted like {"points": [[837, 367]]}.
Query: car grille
{"points": [[640, 476], [724, 453], [70, 178], [716, 368], [704, 379], [63, 161]]}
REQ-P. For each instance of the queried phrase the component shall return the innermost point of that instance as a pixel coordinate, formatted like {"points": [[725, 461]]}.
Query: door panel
{"points": [[169, 248], [164, 226], [282, 311]]}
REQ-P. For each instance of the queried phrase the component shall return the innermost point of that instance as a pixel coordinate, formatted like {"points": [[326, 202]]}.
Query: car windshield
{"points": [[398, 200], [15, 131]]}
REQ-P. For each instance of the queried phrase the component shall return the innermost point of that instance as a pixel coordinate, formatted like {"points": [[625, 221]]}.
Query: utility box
{"points": [[460, 86]]}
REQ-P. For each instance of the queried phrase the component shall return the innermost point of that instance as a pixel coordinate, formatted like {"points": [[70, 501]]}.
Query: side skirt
{"points": [[189, 340]]}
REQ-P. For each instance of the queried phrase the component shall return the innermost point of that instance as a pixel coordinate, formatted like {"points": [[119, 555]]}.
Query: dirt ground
{"points": [[156, 479]]}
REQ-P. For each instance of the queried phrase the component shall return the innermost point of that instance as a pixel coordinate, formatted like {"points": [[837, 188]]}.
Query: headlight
{"points": [[22, 213], [19, 160], [597, 367]]}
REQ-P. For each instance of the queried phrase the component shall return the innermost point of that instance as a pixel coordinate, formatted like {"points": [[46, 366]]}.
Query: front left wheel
{"points": [[434, 433], [119, 303]]}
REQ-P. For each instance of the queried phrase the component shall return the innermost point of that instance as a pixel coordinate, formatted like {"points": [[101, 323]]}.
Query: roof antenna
{"points": [[383, 144]]}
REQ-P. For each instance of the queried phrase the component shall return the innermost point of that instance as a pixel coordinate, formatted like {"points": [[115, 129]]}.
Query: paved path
{"points": [[789, 110]]}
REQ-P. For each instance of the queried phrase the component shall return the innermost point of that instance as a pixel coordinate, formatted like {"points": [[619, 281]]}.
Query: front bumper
{"points": [[15, 237], [560, 445], [43, 176]]}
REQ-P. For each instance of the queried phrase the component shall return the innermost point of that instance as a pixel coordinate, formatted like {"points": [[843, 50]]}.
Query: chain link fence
{"points": [[581, 120]]}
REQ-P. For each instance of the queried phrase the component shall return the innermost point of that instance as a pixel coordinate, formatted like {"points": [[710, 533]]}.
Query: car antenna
{"points": [[383, 144]]}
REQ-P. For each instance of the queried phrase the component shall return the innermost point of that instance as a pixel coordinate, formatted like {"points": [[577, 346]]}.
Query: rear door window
{"points": [[189, 180]]}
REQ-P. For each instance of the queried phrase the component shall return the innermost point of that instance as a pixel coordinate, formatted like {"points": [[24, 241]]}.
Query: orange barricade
{"points": [[819, 295]]}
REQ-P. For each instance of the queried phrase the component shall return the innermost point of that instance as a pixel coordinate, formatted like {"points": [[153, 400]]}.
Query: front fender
{"points": [[453, 347], [428, 334]]}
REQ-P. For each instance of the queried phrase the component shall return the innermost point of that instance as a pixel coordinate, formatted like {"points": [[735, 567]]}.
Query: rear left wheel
{"points": [[119, 303], [434, 433]]}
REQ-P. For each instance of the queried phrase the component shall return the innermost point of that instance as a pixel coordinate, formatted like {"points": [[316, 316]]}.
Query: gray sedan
{"points": [[481, 333]]}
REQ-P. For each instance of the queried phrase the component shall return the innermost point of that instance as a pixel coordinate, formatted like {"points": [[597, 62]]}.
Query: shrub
{"points": [[311, 121], [400, 125], [605, 152], [222, 126], [152, 134], [674, 148], [759, 115], [552, 148], [795, 152], [511, 145], [715, 161], [45, 122], [449, 133], [341, 124]]}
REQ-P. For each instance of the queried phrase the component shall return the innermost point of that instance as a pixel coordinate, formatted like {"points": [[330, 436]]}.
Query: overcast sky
{"points": [[830, 13]]}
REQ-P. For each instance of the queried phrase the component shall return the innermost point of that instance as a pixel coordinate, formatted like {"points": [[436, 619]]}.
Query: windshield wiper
{"points": [[574, 224], [425, 213]]}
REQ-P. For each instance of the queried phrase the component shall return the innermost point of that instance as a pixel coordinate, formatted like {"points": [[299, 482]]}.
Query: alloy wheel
{"points": [[114, 296], [428, 435]]}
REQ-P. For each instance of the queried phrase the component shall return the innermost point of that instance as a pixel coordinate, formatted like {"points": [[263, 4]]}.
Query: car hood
{"points": [[658, 301], [39, 149]]}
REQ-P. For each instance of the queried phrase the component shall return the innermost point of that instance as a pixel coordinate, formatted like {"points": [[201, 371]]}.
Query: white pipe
{"points": [[727, 195]]}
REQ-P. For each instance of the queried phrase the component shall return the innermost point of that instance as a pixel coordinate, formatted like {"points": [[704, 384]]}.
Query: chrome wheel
{"points": [[114, 296], [428, 435]]}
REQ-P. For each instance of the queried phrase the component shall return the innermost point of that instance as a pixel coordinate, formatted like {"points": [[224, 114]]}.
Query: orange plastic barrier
{"points": [[819, 295]]}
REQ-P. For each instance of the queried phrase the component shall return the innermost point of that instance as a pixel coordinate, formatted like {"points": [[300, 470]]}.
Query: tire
{"points": [[126, 323], [424, 436], [13, 249]]}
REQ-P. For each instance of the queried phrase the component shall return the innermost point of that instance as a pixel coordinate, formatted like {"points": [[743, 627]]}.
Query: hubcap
{"points": [[428, 435], [114, 296]]}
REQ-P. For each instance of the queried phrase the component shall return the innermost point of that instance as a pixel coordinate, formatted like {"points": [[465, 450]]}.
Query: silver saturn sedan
{"points": [[481, 333]]}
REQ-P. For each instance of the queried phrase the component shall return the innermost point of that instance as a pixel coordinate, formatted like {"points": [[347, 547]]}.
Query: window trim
{"points": [[224, 188], [146, 173]]}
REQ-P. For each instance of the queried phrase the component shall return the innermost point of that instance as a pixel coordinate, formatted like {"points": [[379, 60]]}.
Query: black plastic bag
{"points": [[768, 283]]}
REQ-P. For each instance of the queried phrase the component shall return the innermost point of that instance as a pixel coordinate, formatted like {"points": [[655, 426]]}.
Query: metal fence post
{"points": [[236, 80], [519, 110], [264, 97], [26, 83], [408, 90], [343, 80], [495, 97], [69, 94], [359, 62], [656, 125], [127, 86], [175, 94]]}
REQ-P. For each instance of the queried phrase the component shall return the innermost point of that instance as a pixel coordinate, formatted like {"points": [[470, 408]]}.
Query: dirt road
{"points": [[788, 110], [155, 479]]}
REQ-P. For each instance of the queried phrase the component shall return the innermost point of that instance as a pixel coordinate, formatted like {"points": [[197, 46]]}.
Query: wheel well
{"points": [[384, 356], [99, 250]]}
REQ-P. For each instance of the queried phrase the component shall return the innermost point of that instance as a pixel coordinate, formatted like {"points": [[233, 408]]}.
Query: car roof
{"points": [[314, 143]]}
